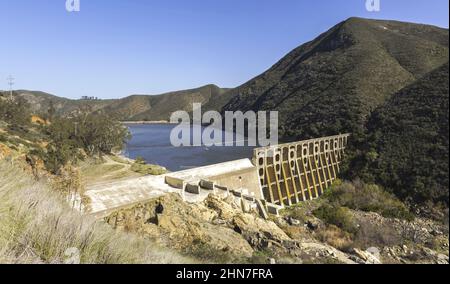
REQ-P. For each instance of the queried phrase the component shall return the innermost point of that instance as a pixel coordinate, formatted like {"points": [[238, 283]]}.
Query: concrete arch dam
{"points": [[277, 176]]}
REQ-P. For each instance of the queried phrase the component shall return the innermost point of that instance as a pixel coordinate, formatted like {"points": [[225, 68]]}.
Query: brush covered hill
{"points": [[408, 143], [41, 102], [332, 84], [370, 78], [160, 107], [132, 108]]}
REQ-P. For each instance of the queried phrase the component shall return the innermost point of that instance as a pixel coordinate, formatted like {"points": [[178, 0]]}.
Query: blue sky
{"points": [[114, 48]]}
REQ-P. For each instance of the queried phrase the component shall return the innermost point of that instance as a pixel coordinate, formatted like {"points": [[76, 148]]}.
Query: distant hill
{"points": [[136, 107], [40, 102], [160, 107], [331, 84], [409, 140]]}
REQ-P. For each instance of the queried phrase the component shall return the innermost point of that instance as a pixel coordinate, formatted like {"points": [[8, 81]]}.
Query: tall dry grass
{"points": [[37, 226]]}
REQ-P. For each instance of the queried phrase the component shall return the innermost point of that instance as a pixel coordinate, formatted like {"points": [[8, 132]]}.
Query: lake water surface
{"points": [[152, 142]]}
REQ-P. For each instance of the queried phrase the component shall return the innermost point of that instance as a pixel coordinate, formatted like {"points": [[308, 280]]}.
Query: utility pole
{"points": [[10, 80]]}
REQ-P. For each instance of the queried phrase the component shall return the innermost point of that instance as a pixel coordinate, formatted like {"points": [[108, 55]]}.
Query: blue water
{"points": [[152, 142]]}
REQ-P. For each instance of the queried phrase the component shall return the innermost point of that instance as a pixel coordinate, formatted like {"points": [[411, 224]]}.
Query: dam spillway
{"points": [[277, 176]]}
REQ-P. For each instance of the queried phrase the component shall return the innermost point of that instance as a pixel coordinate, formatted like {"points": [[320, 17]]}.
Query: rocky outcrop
{"points": [[218, 230], [186, 227]]}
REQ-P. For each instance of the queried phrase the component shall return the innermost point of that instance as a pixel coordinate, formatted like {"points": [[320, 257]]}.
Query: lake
{"points": [[152, 142]]}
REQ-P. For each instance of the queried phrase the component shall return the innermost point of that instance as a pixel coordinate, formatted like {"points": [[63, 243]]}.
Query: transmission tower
{"points": [[10, 80]]}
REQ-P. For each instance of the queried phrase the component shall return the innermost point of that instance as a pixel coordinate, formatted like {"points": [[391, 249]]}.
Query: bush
{"points": [[15, 112], [369, 198], [144, 169], [336, 237], [380, 235], [336, 215], [407, 146], [140, 160], [95, 134]]}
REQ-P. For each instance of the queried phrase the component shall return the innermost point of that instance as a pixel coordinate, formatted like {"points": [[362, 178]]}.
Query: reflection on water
{"points": [[152, 142]]}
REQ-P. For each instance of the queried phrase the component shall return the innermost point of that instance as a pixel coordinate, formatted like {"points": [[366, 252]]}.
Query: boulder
{"points": [[375, 252], [367, 257], [223, 208]]}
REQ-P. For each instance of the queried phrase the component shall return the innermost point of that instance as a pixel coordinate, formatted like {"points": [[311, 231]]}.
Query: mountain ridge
{"points": [[348, 71], [134, 107]]}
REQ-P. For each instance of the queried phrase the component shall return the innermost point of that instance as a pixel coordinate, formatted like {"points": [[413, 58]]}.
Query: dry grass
{"points": [[107, 169], [335, 237], [37, 226]]}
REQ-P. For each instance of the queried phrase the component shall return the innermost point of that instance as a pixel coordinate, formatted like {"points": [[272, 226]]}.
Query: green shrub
{"points": [[94, 134], [336, 215], [369, 198], [15, 112], [144, 169], [140, 160]]}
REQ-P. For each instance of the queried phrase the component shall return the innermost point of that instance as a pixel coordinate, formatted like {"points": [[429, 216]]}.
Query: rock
{"points": [[367, 257], [313, 224], [272, 261], [436, 232], [357, 259], [442, 259], [281, 222], [360, 254], [219, 221], [324, 250], [224, 209], [374, 251], [211, 216], [250, 224], [429, 252], [182, 226], [294, 222], [405, 249]]}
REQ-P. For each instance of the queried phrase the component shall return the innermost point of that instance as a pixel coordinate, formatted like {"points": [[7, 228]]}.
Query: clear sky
{"points": [[115, 48]]}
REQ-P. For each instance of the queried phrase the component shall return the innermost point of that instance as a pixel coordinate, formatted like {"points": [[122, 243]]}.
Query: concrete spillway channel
{"points": [[278, 176]]}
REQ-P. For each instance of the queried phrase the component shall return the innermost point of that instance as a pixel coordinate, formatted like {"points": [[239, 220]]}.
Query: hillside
{"points": [[40, 102], [133, 108], [331, 84], [160, 107], [408, 142], [37, 226]]}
